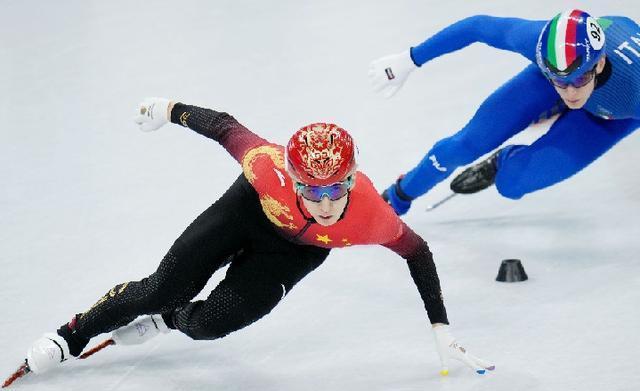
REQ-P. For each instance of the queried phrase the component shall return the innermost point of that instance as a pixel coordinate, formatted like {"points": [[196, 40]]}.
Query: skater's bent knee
{"points": [[511, 192]]}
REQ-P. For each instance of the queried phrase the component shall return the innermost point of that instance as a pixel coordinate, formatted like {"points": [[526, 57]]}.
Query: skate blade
{"points": [[97, 348], [21, 371], [442, 201]]}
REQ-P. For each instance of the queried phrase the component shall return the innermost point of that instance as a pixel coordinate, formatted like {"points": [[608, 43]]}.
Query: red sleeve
{"points": [[221, 127], [415, 250]]}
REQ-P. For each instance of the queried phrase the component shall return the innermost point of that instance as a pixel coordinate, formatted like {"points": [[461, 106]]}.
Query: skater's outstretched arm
{"points": [[388, 74], [512, 34], [415, 250], [219, 126]]}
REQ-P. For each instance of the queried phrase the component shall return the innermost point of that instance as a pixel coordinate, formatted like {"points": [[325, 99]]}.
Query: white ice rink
{"points": [[88, 201]]}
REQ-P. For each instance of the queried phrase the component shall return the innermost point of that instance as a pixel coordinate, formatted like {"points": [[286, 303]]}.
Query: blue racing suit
{"points": [[577, 137]]}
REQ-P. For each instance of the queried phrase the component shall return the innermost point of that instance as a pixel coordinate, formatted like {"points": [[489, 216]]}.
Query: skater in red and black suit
{"points": [[274, 225]]}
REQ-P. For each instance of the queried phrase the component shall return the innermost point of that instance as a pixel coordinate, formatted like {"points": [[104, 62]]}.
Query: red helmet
{"points": [[320, 154]]}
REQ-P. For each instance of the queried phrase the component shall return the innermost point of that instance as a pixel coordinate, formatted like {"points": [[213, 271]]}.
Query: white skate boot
{"points": [[47, 352], [140, 330]]}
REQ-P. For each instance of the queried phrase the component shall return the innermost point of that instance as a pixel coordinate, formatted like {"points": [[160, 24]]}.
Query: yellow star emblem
{"points": [[346, 242], [323, 238]]}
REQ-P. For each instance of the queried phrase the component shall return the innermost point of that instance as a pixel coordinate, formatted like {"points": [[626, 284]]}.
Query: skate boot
{"points": [[477, 177], [140, 330], [52, 349], [46, 353], [398, 199]]}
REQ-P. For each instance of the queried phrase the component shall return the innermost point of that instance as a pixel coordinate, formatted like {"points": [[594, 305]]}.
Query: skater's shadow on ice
{"points": [[172, 369], [461, 378], [506, 379]]}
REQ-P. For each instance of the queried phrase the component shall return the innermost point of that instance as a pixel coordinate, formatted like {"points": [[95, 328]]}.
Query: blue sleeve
{"points": [[513, 34]]}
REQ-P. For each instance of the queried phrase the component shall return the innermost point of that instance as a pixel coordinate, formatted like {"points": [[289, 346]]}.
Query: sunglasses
{"points": [[334, 191], [581, 81]]}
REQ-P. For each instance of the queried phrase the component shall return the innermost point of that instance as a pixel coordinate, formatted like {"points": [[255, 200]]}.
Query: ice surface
{"points": [[88, 201]]}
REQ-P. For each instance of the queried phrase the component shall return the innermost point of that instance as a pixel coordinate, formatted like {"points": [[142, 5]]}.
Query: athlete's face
{"points": [[327, 211], [576, 97], [326, 203]]}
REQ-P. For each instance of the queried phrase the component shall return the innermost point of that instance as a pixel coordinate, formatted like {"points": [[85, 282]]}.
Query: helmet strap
{"points": [[308, 219]]}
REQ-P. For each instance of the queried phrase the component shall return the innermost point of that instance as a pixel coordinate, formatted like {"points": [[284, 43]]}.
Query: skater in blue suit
{"points": [[593, 82]]}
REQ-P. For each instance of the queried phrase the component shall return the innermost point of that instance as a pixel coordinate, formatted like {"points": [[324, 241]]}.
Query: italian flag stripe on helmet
{"points": [[551, 42], [570, 40], [560, 39], [561, 43]]}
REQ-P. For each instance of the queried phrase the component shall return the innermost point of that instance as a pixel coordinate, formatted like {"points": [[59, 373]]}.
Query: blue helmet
{"points": [[570, 45]]}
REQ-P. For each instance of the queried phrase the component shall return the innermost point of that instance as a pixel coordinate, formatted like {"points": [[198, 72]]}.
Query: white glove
{"points": [[448, 348], [388, 74], [152, 114]]}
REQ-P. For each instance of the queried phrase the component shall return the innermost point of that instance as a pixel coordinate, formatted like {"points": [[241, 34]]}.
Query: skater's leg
{"points": [[509, 110], [575, 140], [254, 285], [217, 234]]}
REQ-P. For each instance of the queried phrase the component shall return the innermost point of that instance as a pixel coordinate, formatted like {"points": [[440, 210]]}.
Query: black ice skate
{"points": [[477, 177]]}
